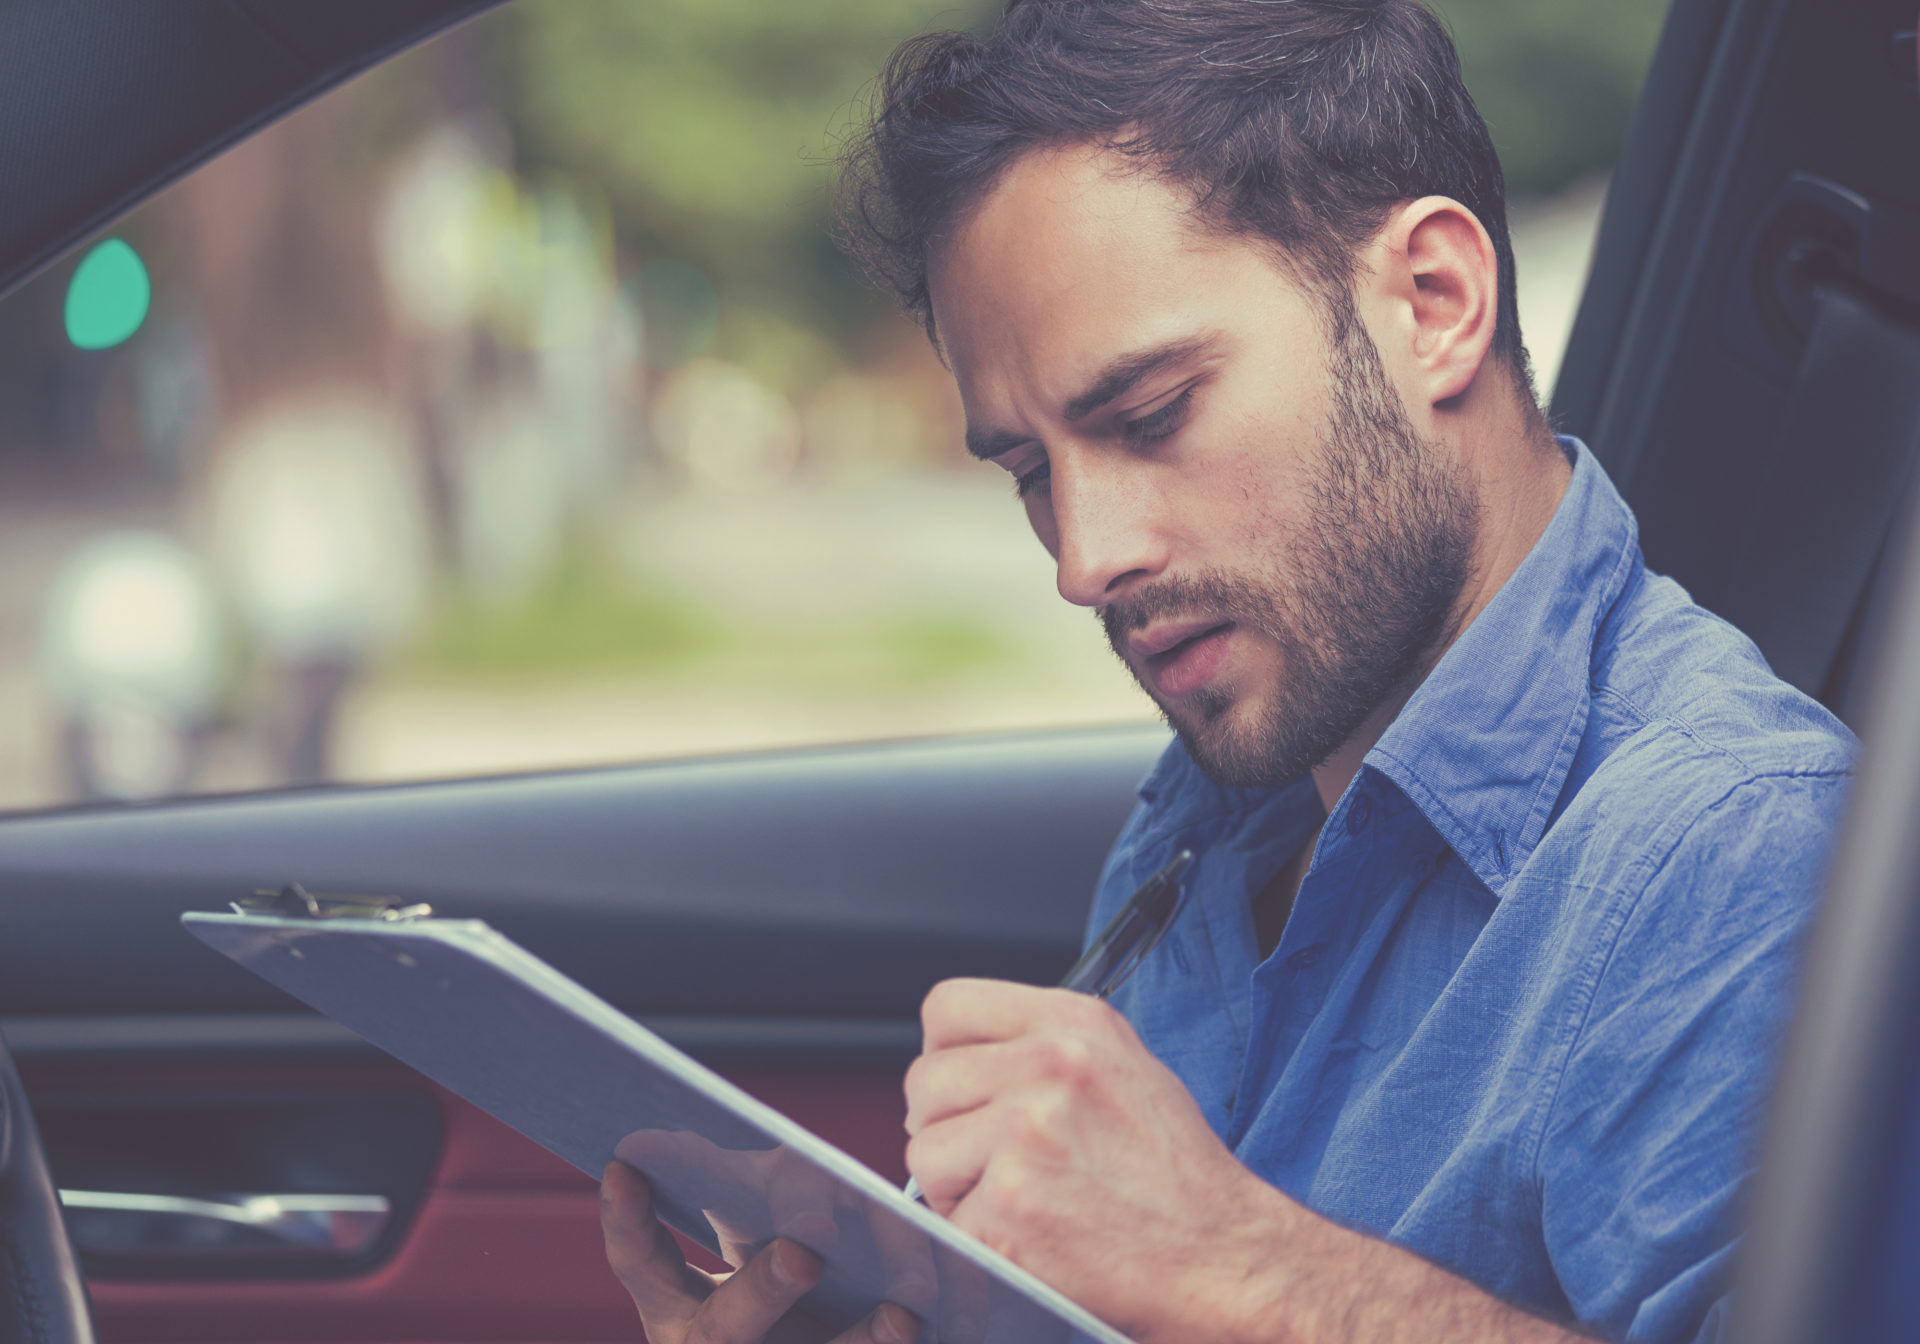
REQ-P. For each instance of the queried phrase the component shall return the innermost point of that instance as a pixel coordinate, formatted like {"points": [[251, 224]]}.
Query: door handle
{"points": [[325, 1227]]}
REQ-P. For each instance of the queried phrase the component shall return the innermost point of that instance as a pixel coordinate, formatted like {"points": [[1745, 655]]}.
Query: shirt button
{"points": [[1358, 813], [1305, 957]]}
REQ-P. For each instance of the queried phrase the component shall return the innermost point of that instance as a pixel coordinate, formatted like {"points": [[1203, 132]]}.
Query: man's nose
{"points": [[1107, 536]]}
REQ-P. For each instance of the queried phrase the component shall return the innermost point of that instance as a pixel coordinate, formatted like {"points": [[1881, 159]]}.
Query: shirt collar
{"points": [[1483, 746]]}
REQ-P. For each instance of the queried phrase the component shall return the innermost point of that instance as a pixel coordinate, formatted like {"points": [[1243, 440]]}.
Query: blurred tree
{"points": [[707, 121], [1555, 79]]}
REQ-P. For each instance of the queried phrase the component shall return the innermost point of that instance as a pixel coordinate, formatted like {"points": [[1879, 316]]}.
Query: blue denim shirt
{"points": [[1523, 1016]]}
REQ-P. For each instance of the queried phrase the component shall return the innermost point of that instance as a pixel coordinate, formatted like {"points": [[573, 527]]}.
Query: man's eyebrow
{"points": [[1114, 381], [1120, 377], [987, 446]]}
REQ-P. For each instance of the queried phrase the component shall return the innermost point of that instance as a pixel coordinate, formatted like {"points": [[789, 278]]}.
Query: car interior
{"points": [[1745, 363]]}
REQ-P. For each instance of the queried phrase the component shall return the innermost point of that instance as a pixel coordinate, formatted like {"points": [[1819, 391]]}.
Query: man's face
{"points": [[1224, 473]]}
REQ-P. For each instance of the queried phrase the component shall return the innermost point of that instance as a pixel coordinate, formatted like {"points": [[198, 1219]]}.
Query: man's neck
{"points": [[1516, 504]]}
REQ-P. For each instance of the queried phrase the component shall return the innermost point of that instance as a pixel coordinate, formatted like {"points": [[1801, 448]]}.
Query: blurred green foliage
{"points": [[581, 616], [587, 616], [1555, 79], [709, 123]]}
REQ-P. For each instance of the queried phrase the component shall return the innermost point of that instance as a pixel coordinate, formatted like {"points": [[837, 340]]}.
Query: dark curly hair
{"points": [[1302, 122]]}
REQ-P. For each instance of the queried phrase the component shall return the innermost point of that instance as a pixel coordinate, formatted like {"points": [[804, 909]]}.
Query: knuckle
{"points": [[917, 1078], [622, 1260], [1016, 1196], [1026, 1119], [761, 1280], [626, 1252], [936, 998], [939, 1004], [1033, 1124], [1093, 1015], [633, 1267], [1066, 1058], [991, 1211], [919, 1155], [924, 1161]]}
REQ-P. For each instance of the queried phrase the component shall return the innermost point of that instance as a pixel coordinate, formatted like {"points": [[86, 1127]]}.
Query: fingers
{"points": [[750, 1303], [906, 1258], [974, 1012], [801, 1201], [680, 1305], [955, 1081], [889, 1324], [646, 1259], [949, 1158]]}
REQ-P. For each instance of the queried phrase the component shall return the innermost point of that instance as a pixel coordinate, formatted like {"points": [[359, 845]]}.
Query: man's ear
{"points": [[1440, 271]]}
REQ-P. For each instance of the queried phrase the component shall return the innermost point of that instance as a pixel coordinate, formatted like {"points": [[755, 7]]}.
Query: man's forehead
{"points": [[1071, 257], [1057, 204]]}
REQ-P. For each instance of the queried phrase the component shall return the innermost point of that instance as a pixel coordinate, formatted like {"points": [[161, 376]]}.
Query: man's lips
{"points": [[1180, 657], [1161, 636]]}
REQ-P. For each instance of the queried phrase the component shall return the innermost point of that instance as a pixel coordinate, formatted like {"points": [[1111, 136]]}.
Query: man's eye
{"points": [[1159, 425], [1026, 482]]}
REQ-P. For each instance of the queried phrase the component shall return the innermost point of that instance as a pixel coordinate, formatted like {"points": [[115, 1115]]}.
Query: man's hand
{"points": [[679, 1304], [1043, 1126]]}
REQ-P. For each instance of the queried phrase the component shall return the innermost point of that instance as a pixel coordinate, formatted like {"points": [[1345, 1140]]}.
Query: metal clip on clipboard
{"points": [[294, 901]]}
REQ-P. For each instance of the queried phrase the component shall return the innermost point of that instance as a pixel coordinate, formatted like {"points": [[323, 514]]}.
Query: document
{"points": [[500, 1028]]}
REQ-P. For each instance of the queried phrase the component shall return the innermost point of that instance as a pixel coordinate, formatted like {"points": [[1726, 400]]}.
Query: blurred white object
{"points": [[132, 614], [725, 427], [318, 531], [131, 653], [318, 526], [436, 231]]}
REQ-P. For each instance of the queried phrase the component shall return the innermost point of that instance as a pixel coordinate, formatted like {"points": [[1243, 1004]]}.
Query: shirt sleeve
{"points": [[1653, 1132]]}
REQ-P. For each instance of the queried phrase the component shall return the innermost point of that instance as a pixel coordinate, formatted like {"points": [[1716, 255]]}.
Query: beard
{"points": [[1358, 603]]}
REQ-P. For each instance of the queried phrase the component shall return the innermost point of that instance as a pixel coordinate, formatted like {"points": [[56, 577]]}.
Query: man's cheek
{"points": [[1039, 506]]}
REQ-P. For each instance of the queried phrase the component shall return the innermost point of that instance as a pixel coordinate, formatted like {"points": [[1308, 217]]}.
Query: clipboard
{"points": [[493, 1024]]}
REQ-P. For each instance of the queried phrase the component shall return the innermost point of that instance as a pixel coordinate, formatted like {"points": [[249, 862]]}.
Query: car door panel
{"points": [[503, 1245], [905, 863], [778, 916]]}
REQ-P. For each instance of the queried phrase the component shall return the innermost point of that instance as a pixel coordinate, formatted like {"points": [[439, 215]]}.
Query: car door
{"points": [[778, 916], [235, 1168]]}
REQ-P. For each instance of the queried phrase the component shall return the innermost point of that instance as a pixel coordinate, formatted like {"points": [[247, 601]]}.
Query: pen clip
{"points": [[296, 902]]}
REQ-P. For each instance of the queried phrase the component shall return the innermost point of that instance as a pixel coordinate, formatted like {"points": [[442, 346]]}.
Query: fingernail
{"points": [[792, 1265], [894, 1325]]}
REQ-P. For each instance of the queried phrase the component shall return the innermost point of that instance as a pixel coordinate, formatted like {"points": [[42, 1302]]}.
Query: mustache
{"points": [[1211, 594]]}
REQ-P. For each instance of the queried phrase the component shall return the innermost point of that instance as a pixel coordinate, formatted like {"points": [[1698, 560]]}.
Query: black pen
{"points": [[1112, 956]]}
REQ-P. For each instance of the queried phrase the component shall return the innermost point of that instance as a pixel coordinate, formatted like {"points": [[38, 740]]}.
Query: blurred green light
{"points": [[107, 298]]}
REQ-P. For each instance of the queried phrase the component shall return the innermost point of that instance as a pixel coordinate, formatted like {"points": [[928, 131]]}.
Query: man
{"points": [[1504, 849]]}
